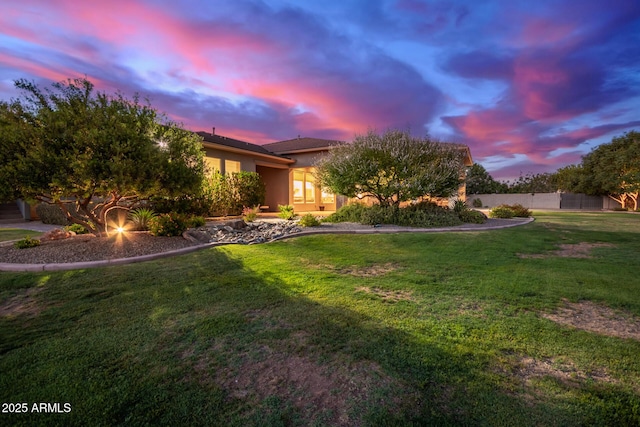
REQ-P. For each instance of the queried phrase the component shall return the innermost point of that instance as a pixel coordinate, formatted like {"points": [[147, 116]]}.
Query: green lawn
{"points": [[423, 329], [7, 234]]}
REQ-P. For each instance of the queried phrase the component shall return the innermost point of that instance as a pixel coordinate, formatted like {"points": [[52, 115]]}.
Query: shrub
{"points": [[76, 228], [229, 194], [196, 221], [51, 214], [459, 206], [168, 225], [248, 188], [250, 214], [27, 242], [186, 204], [286, 212], [501, 211], [423, 214], [520, 211], [476, 203], [309, 220], [141, 218], [348, 213], [472, 216]]}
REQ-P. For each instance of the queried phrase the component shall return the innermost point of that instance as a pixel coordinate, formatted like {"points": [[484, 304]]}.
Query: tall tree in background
{"points": [[479, 181], [90, 152], [533, 183], [392, 168], [613, 169]]}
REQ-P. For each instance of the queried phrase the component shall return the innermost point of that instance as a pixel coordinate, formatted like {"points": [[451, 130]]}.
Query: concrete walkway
{"points": [[491, 224]]}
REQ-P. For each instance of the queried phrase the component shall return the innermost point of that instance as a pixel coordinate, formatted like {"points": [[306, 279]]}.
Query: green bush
{"points": [[51, 214], [27, 242], [196, 221], [173, 224], [286, 212], [186, 204], [76, 228], [348, 213], [501, 211], [476, 203], [309, 220], [229, 194], [520, 211], [250, 214], [509, 211], [423, 214], [472, 216], [459, 206], [248, 188], [141, 218]]}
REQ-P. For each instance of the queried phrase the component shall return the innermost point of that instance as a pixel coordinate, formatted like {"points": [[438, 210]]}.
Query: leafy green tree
{"points": [[568, 178], [532, 183], [90, 152], [479, 181], [613, 169], [392, 168]]}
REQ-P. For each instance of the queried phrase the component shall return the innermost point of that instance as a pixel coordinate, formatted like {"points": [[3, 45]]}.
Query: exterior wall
{"points": [[276, 182], [533, 201], [528, 200], [246, 163], [304, 160]]}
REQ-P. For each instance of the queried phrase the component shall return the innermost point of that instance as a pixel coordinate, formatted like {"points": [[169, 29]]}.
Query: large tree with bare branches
{"points": [[90, 152]]}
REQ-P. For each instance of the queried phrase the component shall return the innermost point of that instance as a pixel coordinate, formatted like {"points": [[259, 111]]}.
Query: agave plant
{"points": [[141, 218]]}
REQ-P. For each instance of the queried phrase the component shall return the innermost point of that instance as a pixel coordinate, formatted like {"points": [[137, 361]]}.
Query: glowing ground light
{"points": [[120, 230]]}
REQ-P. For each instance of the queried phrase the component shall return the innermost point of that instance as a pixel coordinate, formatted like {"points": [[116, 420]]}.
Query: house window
{"points": [[231, 166], [214, 164], [298, 187], [304, 187], [328, 198]]}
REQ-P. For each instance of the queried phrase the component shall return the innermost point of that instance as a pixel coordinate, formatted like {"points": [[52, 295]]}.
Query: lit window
{"points": [[298, 186], [304, 187], [328, 198], [213, 164], [231, 166]]}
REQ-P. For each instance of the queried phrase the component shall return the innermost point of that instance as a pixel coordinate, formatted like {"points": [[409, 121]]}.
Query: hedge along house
{"points": [[286, 168]]}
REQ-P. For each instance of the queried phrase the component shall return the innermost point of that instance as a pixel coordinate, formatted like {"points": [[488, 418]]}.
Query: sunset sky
{"points": [[529, 85]]}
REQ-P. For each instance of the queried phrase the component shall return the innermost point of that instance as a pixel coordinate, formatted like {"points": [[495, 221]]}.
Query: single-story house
{"points": [[286, 167]]}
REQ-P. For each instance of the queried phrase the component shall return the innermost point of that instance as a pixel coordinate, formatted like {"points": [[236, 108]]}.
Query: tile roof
{"points": [[300, 144], [235, 143]]}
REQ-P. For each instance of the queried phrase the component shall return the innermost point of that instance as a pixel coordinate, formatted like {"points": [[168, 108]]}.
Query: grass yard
{"points": [[528, 326], [7, 234]]}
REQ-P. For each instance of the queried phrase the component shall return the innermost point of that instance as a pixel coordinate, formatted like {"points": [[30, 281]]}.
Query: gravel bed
{"points": [[88, 248], [84, 248]]}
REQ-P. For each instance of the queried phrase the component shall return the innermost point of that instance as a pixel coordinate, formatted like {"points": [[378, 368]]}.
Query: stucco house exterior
{"points": [[286, 167]]}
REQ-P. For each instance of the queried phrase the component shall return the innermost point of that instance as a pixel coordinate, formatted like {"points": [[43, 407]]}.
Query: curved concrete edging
{"points": [[12, 267]]}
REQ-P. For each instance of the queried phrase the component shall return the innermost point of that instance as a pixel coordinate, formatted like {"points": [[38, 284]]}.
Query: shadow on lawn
{"points": [[201, 340]]}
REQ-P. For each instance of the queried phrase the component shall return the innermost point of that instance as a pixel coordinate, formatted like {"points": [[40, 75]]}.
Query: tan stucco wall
{"points": [[276, 182], [246, 163]]}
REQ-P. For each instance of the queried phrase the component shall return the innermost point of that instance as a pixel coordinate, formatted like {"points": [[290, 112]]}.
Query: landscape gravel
{"points": [[85, 248]]}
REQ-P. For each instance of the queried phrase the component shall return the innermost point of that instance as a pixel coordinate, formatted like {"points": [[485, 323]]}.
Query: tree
{"points": [[479, 181], [90, 153], [392, 167], [613, 169], [568, 178], [532, 183]]}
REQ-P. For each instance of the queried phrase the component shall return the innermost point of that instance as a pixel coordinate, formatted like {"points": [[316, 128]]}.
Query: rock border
{"points": [[384, 229]]}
